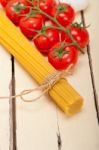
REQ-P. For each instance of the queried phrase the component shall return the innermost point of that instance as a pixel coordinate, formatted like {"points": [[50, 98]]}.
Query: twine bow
{"points": [[47, 85]]}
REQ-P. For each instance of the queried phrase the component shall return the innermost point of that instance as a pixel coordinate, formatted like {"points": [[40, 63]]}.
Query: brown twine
{"points": [[48, 84]]}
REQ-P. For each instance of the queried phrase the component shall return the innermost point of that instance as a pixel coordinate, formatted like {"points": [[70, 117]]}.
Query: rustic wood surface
{"points": [[41, 125]]}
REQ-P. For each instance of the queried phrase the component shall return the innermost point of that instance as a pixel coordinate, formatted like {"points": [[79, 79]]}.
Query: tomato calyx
{"points": [[79, 25], [60, 52], [61, 8], [41, 32], [44, 28], [31, 14], [17, 8]]}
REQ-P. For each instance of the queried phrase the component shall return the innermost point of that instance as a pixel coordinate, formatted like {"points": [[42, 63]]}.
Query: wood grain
{"points": [[5, 78], [36, 122], [91, 71], [92, 18]]}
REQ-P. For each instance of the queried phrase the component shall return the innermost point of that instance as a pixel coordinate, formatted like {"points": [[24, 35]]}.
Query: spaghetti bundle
{"points": [[35, 64]]}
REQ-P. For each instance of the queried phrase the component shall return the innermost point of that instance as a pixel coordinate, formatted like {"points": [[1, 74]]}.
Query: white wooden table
{"points": [[41, 125]]}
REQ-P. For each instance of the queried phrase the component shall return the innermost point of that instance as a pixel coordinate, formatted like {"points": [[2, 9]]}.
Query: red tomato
{"points": [[45, 42], [27, 24], [80, 35], [47, 5], [61, 56], [4, 2], [16, 8], [65, 14]]}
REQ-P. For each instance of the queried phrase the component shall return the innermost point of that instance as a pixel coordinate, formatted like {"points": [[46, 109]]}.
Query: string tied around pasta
{"points": [[47, 85]]}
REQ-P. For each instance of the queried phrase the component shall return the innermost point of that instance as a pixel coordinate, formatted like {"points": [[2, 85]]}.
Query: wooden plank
{"points": [[7, 124], [36, 122], [5, 78], [81, 131], [92, 18]]}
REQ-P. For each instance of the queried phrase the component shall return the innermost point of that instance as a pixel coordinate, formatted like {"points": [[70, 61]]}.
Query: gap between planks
{"points": [[12, 110], [59, 139], [91, 72]]}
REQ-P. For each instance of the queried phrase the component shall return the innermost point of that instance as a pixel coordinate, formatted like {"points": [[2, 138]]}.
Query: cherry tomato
{"points": [[80, 35], [4, 2], [28, 24], [47, 5], [64, 13], [15, 9], [61, 56], [46, 40]]}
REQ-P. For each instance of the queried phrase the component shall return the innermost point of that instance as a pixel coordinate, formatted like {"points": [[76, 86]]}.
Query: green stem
{"points": [[60, 27]]}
